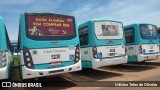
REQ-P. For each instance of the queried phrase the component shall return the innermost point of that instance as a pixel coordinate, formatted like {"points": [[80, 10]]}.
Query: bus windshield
{"points": [[50, 26], [148, 31], [108, 30]]}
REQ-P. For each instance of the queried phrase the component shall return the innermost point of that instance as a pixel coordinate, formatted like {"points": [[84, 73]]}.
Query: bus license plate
{"points": [[112, 50], [56, 56], [150, 50]]}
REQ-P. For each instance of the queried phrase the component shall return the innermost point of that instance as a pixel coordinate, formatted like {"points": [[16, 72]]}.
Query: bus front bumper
{"points": [[109, 61], [4, 73], [35, 73], [142, 57]]}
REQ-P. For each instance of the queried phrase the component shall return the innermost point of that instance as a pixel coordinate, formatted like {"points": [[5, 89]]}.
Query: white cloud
{"points": [[127, 11]]}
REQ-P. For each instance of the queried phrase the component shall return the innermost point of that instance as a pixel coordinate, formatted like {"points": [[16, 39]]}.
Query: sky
{"points": [[126, 11]]}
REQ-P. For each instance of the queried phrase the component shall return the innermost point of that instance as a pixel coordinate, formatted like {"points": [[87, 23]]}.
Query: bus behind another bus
{"points": [[102, 43], [142, 42], [6, 59]]}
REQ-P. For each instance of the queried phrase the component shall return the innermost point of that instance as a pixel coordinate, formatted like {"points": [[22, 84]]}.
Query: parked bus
{"points": [[102, 43], [141, 42], [49, 44], [14, 47], [5, 52]]}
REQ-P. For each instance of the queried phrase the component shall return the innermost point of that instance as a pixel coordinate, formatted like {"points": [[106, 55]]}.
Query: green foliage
{"points": [[16, 60]]}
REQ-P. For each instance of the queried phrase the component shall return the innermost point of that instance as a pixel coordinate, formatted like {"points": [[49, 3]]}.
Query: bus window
{"points": [[148, 31], [83, 35], [129, 35], [108, 30]]}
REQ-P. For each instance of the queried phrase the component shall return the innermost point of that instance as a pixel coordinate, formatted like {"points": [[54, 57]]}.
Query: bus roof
{"points": [[32, 13], [92, 20], [137, 24]]}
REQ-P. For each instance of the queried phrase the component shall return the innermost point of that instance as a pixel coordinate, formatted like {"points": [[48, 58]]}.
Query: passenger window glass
{"points": [[129, 35], [83, 35]]}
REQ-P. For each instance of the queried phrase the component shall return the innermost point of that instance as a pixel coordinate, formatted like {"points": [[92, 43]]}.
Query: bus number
{"points": [[55, 56]]}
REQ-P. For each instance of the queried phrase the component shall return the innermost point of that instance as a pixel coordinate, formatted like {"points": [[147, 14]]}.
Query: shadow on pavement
{"points": [[94, 75], [132, 67]]}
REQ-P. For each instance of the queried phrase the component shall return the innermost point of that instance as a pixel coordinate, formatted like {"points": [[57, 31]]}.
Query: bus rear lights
{"points": [[27, 54], [29, 64], [3, 61], [28, 59], [77, 59], [77, 50], [140, 49], [95, 52], [3, 64], [3, 54], [125, 51], [77, 54]]}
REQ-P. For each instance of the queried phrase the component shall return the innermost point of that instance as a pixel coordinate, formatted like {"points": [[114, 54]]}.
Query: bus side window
{"points": [[129, 35], [83, 35]]}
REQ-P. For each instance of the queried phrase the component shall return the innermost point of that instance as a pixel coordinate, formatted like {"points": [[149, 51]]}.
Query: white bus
{"points": [[49, 45]]}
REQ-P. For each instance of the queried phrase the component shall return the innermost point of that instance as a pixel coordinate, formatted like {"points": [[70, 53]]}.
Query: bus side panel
{"points": [[132, 52]]}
